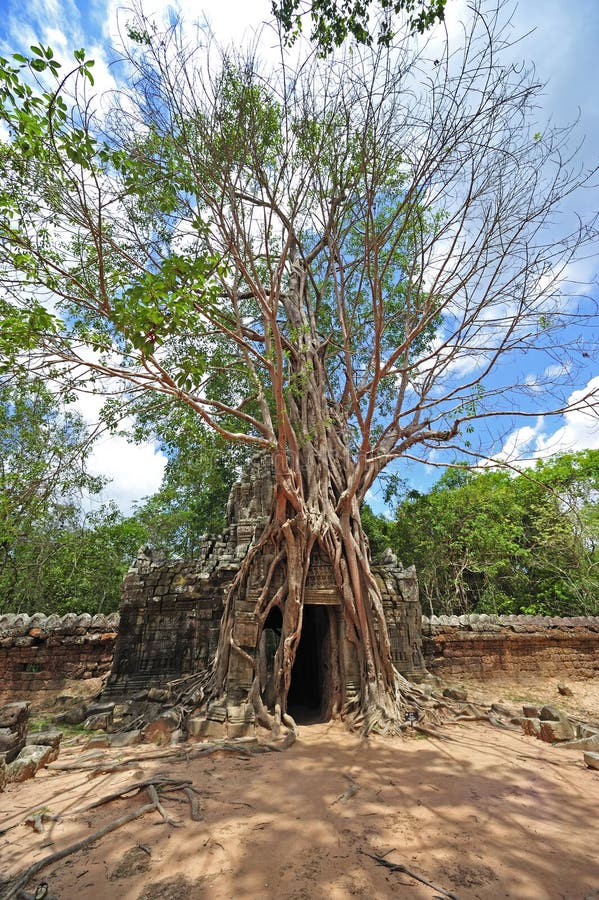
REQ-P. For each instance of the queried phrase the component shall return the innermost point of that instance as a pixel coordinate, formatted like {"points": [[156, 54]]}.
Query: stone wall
{"points": [[171, 612], [42, 652], [511, 646]]}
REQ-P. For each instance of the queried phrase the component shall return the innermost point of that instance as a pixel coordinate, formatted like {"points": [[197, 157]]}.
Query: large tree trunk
{"points": [[316, 510], [281, 560]]}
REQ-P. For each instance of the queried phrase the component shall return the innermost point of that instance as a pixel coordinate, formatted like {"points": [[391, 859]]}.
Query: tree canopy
{"points": [[494, 543], [57, 553], [158, 243]]}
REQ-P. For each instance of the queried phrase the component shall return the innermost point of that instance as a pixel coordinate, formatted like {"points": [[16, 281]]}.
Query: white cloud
{"points": [[135, 470], [519, 442], [532, 382], [557, 370], [579, 430]]}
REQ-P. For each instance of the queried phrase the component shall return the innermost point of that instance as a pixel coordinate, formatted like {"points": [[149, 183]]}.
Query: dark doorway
{"points": [[306, 700]]}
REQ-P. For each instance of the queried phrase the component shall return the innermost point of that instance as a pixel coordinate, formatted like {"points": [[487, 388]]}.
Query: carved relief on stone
{"points": [[321, 587]]}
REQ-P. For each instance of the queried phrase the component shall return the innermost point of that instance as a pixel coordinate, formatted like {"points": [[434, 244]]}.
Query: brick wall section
{"points": [[42, 652], [511, 646]]}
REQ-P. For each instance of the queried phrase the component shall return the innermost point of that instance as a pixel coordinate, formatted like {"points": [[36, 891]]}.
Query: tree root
{"points": [[136, 786], [399, 867], [14, 888], [194, 804], [160, 808], [431, 732], [352, 790], [242, 747]]}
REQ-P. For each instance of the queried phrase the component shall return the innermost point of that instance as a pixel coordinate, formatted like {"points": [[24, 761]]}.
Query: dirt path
{"points": [[489, 814]]}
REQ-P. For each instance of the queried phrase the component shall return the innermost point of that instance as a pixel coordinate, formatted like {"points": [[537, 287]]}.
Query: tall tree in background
{"points": [[54, 556], [42, 463], [201, 469], [337, 264], [494, 543]]}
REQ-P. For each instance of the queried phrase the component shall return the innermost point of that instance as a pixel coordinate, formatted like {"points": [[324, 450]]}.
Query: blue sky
{"points": [[562, 43]]}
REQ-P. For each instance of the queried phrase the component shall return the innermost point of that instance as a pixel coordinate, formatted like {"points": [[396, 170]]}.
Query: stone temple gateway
{"points": [[171, 613]]}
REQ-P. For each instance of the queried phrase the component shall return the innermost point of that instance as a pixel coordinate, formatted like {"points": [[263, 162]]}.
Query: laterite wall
{"points": [[511, 646], [43, 652]]}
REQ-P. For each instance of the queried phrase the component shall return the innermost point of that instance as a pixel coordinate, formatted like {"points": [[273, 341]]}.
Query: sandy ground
{"points": [[488, 814]]}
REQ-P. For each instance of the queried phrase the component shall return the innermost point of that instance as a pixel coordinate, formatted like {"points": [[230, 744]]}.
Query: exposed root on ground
{"points": [[399, 867], [14, 887], [419, 709], [415, 708]]}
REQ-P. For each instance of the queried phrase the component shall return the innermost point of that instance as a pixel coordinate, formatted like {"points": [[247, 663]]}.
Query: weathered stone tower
{"points": [[171, 612]]}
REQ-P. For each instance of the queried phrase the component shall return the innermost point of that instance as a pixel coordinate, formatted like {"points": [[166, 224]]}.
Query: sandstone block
{"points": [[50, 737], [8, 740], [98, 742], [3, 776], [99, 722], [29, 760], [550, 714], [12, 715], [531, 712], [564, 690], [552, 731], [159, 731], [97, 709], [74, 716], [125, 738], [531, 726], [591, 760], [240, 729], [242, 713], [205, 728], [455, 694]]}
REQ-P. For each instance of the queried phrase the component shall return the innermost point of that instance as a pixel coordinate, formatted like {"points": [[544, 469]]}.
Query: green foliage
{"points": [[258, 247], [333, 21], [52, 559], [73, 565], [378, 530], [494, 543], [200, 471], [42, 456]]}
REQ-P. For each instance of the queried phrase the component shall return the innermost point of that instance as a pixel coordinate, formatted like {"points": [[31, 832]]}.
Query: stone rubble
{"points": [[553, 726], [591, 760], [22, 754]]}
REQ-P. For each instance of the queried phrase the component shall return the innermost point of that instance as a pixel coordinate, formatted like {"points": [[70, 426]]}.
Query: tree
{"points": [[200, 471], [46, 542], [338, 259], [492, 542], [333, 22]]}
